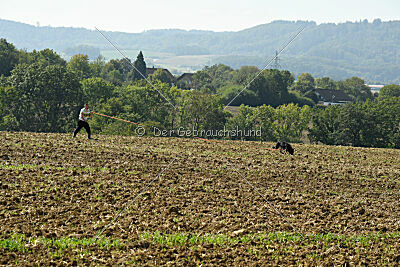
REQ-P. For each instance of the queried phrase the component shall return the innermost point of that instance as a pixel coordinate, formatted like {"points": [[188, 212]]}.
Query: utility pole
{"points": [[276, 64]]}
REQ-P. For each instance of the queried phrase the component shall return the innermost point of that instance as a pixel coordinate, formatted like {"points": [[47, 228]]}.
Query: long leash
{"points": [[115, 118]]}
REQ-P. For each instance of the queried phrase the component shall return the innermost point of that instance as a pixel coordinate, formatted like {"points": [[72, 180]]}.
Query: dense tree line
{"points": [[40, 91], [370, 124], [354, 87], [272, 87]]}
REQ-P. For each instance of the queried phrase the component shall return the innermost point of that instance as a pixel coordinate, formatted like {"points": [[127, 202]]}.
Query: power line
{"points": [[269, 63]]}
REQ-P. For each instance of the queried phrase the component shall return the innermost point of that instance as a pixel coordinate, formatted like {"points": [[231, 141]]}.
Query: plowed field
{"points": [[156, 201]]}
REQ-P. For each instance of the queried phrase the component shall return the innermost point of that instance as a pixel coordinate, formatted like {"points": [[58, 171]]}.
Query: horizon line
{"points": [[202, 30]]}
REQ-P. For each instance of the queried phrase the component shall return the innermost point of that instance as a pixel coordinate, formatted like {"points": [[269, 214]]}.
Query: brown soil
{"points": [[54, 186]]}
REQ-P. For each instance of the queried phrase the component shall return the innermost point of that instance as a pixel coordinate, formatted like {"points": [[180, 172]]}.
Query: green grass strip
{"points": [[265, 238], [20, 243]]}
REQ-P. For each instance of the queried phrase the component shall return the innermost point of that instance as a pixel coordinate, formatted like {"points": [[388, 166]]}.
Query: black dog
{"points": [[284, 147]]}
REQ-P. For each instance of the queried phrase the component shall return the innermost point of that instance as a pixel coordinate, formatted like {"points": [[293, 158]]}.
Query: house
{"points": [[150, 71], [187, 77], [332, 97], [185, 81]]}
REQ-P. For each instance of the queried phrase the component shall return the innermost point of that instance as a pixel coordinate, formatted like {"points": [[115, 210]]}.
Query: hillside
{"points": [[367, 50], [169, 201]]}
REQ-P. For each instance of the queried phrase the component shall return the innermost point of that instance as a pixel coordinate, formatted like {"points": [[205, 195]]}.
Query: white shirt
{"points": [[85, 113]]}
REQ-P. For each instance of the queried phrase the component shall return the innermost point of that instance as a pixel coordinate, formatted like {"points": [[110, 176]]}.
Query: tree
{"points": [[325, 83], [311, 95], [162, 76], [8, 121], [201, 111], [356, 88], [96, 90], [115, 77], [97, 66], [305, 82], [235, 95], [184, 84], [270, 87], [142, 102], [113, 107], [261, 93], [221, 75], [244, 73], [117, 71], [308, 99], [290, 122], [245, 120], [387, 110], [201, 80], [325, 125], [264, 117], [369, 123], [111, 65], [44, 57], [391, 90], [80, 64], [212, 78], [140, 67], [357, 126], [8, 57], [44, 98], [125, 66], [274, 89]]}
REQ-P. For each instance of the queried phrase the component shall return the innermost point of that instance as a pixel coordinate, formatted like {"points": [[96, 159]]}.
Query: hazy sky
{"points": [[216, 15]]}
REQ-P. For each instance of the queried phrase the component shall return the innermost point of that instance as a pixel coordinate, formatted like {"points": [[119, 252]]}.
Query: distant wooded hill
{"points": [[367, 50]]}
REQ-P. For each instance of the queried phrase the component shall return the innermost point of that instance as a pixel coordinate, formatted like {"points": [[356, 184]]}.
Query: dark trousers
{"points": [[82, 124]]}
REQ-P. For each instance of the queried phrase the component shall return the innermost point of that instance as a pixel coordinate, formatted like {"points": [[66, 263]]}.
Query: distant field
{"points": [[169, 201], [132, 54], [176, 64], [233, 109], [182, 64], [200, 60]]}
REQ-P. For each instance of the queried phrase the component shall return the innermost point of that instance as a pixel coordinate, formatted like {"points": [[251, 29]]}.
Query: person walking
{"points": [[84, 115]]}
